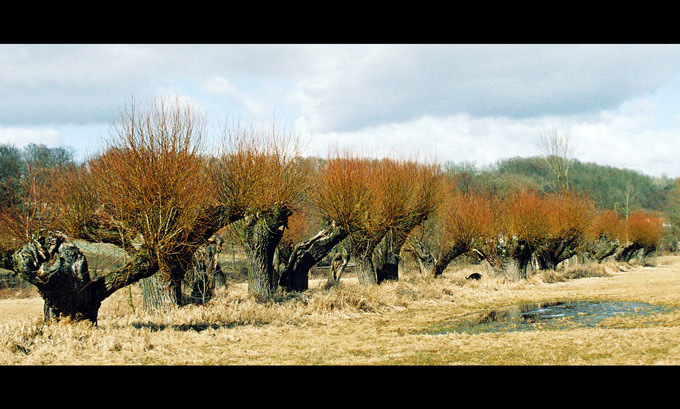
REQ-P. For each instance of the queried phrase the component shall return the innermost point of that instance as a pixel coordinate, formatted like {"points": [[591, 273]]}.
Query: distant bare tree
{"points": [[556, 146]]}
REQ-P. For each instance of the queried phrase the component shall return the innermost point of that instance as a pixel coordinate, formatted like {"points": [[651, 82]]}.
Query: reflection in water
{"points": [[560, 315]]}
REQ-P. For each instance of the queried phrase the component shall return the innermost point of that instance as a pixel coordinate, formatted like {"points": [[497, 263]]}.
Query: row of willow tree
{"points": [[157, 193]]}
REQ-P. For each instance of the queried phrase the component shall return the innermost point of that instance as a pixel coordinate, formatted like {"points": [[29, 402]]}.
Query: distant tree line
{"points": [[20, 170], [17, 164]]}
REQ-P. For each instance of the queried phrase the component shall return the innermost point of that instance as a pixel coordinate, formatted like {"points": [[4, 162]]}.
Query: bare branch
{"points": [[558, 153]]}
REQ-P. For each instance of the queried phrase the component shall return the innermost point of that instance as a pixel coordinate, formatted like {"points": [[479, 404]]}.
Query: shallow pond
{"points": [[559, 315]]}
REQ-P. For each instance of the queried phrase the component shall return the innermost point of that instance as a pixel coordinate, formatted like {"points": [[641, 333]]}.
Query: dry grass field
{"points": [[354, 325]]}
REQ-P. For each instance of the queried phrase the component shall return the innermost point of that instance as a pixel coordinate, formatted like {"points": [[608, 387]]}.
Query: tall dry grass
{"points": [[352, 324]]}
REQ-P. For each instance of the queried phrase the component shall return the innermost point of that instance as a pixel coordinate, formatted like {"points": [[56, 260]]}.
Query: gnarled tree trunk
{"points": [[164, 290], [554, 252], [422, 254], [631, 250], [60, 272], [338, 266], [387, 257], [305, 255], [600, 250], [447, 257], [204, 274], [366, 273], [161, 291], [260, 235], [508, 257], [362, 249]]}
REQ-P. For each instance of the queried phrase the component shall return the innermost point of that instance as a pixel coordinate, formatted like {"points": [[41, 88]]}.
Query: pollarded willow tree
{"points": [[425, 195], [154, 184], [519, 227], [65, 203], [468, 221], [146, 193], [259, 176], [339, 198], [400, 195], [603, 236], [568, 217], [643, 233], [537, 229]]}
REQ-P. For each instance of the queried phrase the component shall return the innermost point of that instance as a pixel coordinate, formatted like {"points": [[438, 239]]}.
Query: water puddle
{"points": [[559, 315]]}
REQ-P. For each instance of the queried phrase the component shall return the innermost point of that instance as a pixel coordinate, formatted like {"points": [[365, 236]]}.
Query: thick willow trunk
{"points": [[165, 290], [260, 236], [605, 250], [630, 250], [161, 292], [447, 257], [366, 273], [553, 253], [422, 255], [508, 258], [295, 276], [387, 257], [205, 274], [518, 263], [387, 263], [599, 250], [60, 272], [338, 265], [363, 249]]}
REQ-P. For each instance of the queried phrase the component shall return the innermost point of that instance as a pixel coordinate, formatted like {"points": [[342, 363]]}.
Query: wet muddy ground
{"points": [[558, 315]]}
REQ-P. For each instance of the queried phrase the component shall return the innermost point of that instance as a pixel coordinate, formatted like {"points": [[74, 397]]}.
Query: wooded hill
{"points": [[609, 187], [621, 190]]}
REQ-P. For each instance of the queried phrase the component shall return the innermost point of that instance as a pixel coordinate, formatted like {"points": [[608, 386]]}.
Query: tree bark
{"points": [[338, 266], [366, 273], [520, 258], [204, 274], [387, 257], [160, 292], [630, 250], [60, 272], [553, 253], [422, 255], [447, 257], [508, 257], [164, 291], [362, 249], [260, 235], [305, 255], [387, 264], [600, 249]]}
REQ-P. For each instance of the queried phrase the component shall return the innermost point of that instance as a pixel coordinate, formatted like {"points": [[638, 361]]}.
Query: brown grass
{"points": [[356, 325]]}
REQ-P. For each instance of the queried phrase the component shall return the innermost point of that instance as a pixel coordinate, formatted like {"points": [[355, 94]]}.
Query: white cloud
{"points": [[612, 138], [473, 103], [404, 82], [21, 137]]}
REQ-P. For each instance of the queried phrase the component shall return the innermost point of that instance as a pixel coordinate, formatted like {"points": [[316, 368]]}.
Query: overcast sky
{"points": [[464, 103]]}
